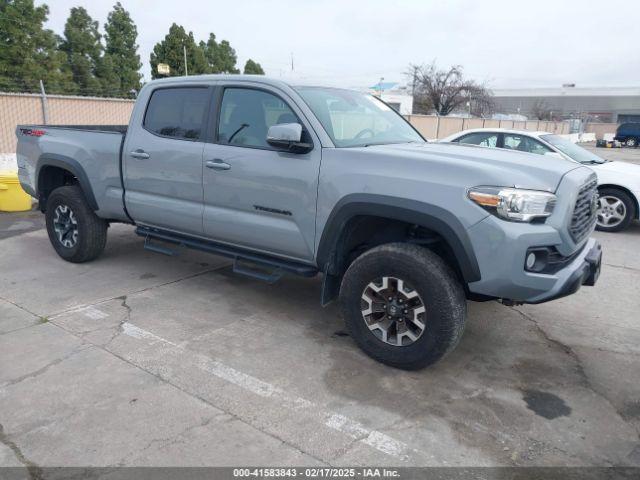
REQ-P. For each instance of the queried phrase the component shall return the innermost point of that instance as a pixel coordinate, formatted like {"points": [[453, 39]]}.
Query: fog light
{"points": [[536, 259]]}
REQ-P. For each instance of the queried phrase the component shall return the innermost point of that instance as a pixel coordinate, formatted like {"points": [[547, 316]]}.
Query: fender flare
{"points": [[72, 166], [435, 218]]}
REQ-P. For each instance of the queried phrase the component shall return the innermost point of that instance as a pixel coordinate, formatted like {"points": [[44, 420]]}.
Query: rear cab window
{"points": [[179, 113]]}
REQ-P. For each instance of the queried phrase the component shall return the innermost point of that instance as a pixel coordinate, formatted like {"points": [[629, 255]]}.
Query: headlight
{"points": [[514, 204]]}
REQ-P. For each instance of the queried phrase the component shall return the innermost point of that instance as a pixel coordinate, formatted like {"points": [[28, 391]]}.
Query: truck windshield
{"points": [[572, 150], [354, 119]]}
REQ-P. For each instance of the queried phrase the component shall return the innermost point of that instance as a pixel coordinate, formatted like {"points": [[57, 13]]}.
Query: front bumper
{"points": [[584, 270], [501, 248]]}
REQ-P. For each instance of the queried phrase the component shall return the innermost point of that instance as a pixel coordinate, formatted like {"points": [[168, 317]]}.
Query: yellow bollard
{"points": [[12, 197]]}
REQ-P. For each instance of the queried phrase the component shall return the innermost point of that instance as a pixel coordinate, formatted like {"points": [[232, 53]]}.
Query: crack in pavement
{"points": [[623, 267], [43, 369], [128, 294], [126, 318], [198, 397], [586, 381], [21, 328], [565, 348], [24, 309], [35, 472], [173, 439]]}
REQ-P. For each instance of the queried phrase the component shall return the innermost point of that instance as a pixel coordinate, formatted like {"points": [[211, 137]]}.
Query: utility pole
{"points": [[184, 51], [415, 76], [292, 62], [380, 87]]}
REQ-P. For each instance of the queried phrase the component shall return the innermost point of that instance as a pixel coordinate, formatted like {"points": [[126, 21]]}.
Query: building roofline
{"points": [[568, 92]]}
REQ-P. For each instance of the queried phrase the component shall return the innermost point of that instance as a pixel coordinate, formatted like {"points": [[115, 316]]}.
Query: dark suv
{"points": [[628, 134]]}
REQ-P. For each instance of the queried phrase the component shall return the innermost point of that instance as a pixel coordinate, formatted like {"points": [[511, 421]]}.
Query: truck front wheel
{"points": [[403, 305], [75, 231]]}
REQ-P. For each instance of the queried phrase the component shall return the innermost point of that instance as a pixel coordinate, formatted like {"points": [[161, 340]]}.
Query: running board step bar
{"points": [[157, 248], [251, 271], [276, 267]]}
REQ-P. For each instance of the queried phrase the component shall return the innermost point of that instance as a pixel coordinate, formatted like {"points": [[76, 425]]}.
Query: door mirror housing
{"points": [[554, 154], [288, 136]]}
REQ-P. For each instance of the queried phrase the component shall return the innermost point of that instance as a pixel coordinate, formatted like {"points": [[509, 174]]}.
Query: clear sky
{"points": [[534, 43]]}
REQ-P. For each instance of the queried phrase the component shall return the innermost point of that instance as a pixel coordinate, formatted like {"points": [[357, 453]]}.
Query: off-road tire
{"points": [[92, 230], [630, 209], [437, 285]]}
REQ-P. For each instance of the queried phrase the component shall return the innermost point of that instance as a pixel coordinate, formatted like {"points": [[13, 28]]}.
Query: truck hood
{"points": [[494, 166]]}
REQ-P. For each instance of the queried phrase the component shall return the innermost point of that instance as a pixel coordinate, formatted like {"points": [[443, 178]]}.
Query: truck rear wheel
{"points": [[403, 305], [77, 234]]}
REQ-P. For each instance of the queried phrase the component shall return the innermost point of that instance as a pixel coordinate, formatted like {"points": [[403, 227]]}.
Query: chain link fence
{"points": [[433, 127], [34, 108], [40, 109]]}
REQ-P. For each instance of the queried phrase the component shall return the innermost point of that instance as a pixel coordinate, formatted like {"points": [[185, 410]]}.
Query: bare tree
{"points": [[445, 91], [541, 111]]}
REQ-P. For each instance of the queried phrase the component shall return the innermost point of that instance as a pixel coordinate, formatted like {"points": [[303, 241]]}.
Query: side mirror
{"points": [[554, 154], [287, 136]]}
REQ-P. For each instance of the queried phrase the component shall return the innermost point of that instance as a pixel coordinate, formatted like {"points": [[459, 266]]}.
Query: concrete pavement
{"points": [[143, 359]]}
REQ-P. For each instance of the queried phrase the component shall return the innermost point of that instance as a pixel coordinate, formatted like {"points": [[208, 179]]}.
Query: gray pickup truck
{"points": [[305, 180]]}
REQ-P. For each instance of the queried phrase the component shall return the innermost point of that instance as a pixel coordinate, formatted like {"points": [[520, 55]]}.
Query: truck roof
{"points": [[276, 82]]}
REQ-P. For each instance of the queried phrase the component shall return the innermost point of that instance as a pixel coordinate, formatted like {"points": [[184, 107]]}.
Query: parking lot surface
{"points": [[143, 359], [624, 154]]}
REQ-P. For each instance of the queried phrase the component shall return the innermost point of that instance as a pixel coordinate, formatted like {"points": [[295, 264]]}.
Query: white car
{"points": [[618, 182]]}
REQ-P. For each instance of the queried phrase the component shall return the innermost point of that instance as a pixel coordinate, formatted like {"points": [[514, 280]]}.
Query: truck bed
{"points": [[95, 128], [93, 149]]}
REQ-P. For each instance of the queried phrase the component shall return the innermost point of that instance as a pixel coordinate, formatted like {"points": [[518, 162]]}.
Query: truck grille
{"points": [[584, 211]]}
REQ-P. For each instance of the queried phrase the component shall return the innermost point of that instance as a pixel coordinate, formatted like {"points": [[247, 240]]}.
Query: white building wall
{"points": [[405, 101]]}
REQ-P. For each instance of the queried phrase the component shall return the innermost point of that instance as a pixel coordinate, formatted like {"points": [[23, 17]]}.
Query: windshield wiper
{"points": [[383, 143]]}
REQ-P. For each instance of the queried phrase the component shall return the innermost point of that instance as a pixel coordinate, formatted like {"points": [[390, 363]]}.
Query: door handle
{"points": [[217, 164], [139, 154]]}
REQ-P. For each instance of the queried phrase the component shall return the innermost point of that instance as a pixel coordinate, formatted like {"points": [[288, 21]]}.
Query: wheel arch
{"points": [[332, 258], [636, 201], [53, 171]]}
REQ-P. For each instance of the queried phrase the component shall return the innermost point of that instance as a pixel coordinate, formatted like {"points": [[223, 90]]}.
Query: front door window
{"points": [[246, 115], [524, 143]]}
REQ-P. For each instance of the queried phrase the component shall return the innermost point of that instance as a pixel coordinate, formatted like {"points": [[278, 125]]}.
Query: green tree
{"points": [[83, 48], [170, 51], [28, 52], [121, 57], [221, 58], [109, 78], [253, 68]]}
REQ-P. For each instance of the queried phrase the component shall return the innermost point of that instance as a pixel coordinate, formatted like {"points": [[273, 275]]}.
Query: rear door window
{"points": [[178, 112], [483, 139]]}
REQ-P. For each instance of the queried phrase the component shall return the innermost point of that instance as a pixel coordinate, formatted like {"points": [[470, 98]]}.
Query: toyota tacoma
{"points": [[285, 178]]}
